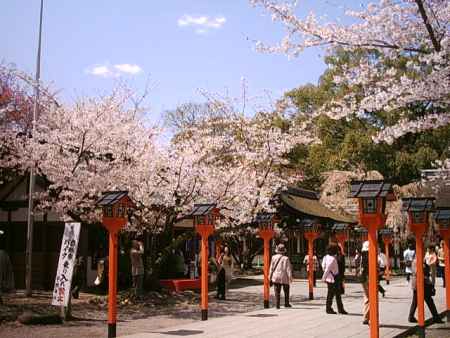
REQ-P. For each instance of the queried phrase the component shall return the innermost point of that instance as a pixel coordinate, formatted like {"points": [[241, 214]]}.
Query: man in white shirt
{"points": [[408, 257]]}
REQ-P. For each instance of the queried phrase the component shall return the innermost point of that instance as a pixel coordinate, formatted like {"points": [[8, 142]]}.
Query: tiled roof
{"points": [[202, 209], [418, 204], [442, 213], [111, 197], [372, 188]]}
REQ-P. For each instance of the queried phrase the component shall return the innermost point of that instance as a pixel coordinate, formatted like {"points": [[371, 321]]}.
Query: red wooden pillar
{"points": [[386, 235], [311, 236], [112, 284], [341, 238], [373, 282], [447, 275], [387, 273], [420, 281], [444, 229], [204, 230], [266, 233]]}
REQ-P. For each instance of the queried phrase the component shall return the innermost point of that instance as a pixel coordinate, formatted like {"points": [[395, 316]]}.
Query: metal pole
{"points": [[30, 216]]}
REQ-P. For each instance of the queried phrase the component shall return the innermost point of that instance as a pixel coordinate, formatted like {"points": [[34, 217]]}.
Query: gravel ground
{"points": [[157, 310]]}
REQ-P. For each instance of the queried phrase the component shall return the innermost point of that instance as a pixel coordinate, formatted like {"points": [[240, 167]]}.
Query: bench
{"points": [[179, 285]]}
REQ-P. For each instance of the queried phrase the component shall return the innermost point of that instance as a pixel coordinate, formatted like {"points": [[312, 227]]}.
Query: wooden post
{"points": [[341, 239], [311, 268], [112, 285], [373, 282], [266, 234], [447, 275], [420, 282], [205, 230], [387, 273], [311, 237]]}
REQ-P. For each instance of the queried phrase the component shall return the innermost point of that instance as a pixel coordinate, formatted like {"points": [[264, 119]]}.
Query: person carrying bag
{"points": [[281, 275]]}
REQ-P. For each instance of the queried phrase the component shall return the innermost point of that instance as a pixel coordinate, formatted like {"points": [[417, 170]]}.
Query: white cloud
{"points": [[116, 70], [201, 23], [100, 71], [128, 68]]}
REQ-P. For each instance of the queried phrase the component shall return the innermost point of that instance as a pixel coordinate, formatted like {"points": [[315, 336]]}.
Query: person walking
{"points": [[408, 256], [441, 262], [225, 272], [431, 260], [137, 266], [340, 257], [429, 292], [364, 279], [315, 267], [280, 275], [330, 272]]}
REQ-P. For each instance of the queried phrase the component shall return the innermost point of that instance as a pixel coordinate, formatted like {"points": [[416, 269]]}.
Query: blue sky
{"points": [[178, 45]]}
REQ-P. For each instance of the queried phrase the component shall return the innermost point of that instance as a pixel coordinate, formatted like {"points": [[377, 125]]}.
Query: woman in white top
{"points": [[280, 274], [330, 272]]}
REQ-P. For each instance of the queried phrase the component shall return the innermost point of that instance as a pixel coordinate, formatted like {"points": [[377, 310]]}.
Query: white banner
{"points": [[66, 262]]}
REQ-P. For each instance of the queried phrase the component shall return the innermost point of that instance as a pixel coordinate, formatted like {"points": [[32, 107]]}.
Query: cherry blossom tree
{"points": [[94, 145], [407, 63]]}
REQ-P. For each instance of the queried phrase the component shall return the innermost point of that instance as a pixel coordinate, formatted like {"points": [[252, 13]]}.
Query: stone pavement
{"points": [[307, 318]]}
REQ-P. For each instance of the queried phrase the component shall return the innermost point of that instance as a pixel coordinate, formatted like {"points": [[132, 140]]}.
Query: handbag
{"points": [[274, 268]]}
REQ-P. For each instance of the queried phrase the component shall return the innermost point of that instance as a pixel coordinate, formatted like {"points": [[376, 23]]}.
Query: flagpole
{"points": [[30, 215]]}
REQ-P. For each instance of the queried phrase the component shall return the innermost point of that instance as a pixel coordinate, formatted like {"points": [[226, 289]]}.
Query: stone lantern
{"points": [[265, 223], [205, 217], [418, 210], [372, 196], [116, 208]]}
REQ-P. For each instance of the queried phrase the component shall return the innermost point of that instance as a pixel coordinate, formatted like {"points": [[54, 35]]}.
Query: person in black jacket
{"points": [[340, 277], [429, 292]]}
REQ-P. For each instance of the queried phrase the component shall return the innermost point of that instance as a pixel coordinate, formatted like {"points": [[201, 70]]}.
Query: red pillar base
{"points": [[420, 331], [204, 314], [311, 296], [448, 316], [112, 330], [266, 304]]}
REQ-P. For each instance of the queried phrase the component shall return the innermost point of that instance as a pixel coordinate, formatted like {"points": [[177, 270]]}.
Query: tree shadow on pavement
{"points": [[182, 332]]}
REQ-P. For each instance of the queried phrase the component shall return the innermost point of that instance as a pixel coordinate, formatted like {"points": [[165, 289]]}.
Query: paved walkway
{"points": [[306, 318]]}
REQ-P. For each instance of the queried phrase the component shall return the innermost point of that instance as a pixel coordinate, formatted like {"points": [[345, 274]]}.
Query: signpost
{"points": [[67, 257]]}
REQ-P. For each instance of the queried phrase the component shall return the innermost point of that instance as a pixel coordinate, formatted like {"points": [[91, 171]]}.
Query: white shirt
{"points": [[409, 255], [330, 268], [382, 260]]}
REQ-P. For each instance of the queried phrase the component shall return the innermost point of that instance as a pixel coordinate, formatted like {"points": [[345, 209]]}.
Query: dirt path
{"points": [[154, 312]]}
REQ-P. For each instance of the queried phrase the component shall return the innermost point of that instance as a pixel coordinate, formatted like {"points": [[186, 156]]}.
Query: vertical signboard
{"points": [[67, 256]]}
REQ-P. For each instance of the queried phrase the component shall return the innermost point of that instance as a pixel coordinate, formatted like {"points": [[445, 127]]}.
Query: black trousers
{"points": [[430, 303], [278, 293], [221, 284], [441, 273], [334, 291]]}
